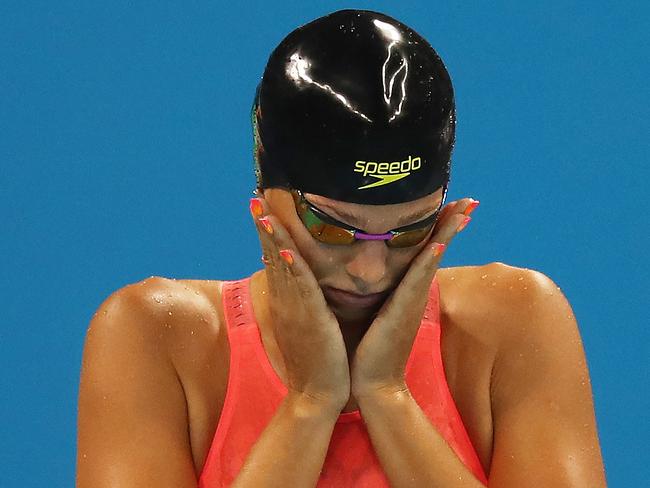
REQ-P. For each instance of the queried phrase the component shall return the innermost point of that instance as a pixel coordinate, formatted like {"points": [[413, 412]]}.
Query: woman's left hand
{"points": [[380, 359]]}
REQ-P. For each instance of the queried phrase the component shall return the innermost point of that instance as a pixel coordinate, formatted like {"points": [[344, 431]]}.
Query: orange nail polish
{"points": [[287, 256], [439, 248], [463, 224], [471, 207], [266, 224], [256, 207]]}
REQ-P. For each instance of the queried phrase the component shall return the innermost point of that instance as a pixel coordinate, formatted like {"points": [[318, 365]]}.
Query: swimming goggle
{"points": [[328, 230]]}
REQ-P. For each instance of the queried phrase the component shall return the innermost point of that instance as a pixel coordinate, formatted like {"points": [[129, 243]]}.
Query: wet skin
{"points": [[366, 267], [174, 330]]}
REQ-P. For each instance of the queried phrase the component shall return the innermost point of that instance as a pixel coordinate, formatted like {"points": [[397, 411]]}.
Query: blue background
{"points": [[125, 152]]}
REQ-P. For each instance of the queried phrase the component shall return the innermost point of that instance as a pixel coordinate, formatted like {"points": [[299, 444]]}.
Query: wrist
{"points": [[382, 396], [375, 389], [308, 406]]}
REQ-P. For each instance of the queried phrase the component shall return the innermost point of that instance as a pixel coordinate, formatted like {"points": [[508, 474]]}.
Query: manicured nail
{"points": [[287, 256], [256, 207], [463, 224], [266, 224], [471, 207], [439, 248], [265, 260]]}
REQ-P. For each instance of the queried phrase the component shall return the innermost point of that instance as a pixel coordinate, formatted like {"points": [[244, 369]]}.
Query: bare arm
{"points": [[132, 419], [545, 431], [292, 448], [410, 449], [544, 426]]}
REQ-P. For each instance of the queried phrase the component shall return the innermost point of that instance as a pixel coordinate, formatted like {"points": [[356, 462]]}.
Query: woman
{"points": [[351, 359]]}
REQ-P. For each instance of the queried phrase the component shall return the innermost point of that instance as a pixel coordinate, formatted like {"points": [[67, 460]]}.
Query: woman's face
{"points": [[362, 268]]}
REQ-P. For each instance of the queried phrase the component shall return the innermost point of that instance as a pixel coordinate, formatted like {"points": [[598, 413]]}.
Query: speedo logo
{"points": [[387, 173]]}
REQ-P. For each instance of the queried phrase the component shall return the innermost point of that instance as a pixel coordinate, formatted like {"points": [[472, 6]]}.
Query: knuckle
{"points": [[306, 294]]}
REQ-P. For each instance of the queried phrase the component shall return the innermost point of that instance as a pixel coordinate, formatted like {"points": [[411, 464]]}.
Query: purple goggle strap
{"points": [[372, 237]]}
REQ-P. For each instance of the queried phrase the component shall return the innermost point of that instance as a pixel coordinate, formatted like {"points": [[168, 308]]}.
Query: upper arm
{"points": [[545, 431], [132, 418]]}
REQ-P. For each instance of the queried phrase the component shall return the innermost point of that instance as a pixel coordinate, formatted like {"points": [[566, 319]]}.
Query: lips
{"points": [[349, 299]]}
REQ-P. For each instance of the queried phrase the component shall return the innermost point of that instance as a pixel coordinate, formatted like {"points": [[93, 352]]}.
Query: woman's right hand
{"points": [[305, 329]]}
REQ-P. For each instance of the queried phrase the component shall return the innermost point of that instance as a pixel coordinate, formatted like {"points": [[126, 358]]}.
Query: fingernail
{"points": [[287, 256], [463, 224], [256, 207], [266, 224], [439, 248], [265, 260], [471, 207]]}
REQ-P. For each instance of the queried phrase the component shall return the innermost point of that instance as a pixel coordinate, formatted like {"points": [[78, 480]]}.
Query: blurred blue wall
{"points": [[124, 135]]}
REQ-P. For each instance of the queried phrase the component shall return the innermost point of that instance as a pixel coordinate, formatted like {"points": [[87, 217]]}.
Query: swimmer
{"points": [[352, 358]]}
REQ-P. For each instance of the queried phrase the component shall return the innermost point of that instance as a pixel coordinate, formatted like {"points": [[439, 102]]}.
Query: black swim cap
{"points": [[357, 107]]}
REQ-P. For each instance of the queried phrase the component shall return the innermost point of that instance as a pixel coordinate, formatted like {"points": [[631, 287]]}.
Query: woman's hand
{"points": [[380, 359], [307, 332]]}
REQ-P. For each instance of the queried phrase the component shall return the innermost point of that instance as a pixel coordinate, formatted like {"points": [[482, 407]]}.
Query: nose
{"points": [[367, 262]]}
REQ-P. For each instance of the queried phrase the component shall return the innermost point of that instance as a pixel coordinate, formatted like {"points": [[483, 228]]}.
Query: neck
{"points": [[353, 331]]}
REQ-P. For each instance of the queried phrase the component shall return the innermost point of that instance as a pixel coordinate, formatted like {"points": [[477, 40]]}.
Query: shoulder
{"points": [[134, 380], [539, 385], [495, 277], [160, 309], [164, 300], [495, 299], [521, 315]]}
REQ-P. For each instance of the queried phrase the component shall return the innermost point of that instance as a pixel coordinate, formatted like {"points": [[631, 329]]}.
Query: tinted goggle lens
{"points": [[410, 237], [330, 233], [321, 230]]}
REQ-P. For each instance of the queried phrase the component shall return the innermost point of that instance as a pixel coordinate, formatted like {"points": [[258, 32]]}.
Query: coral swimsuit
{"points": [[255, 392]]}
